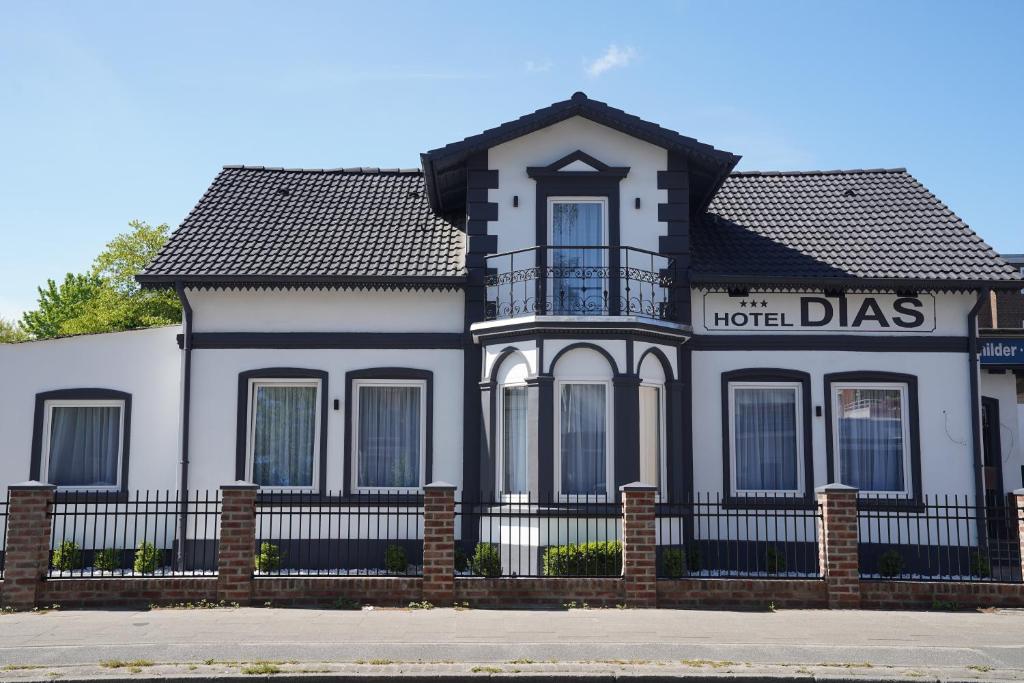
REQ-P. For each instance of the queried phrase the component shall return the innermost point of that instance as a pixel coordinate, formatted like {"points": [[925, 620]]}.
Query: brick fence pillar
{"points": [[837, 545], [639, 545], [1017, 507], [27, 555], [439, 543], [236, 550]]}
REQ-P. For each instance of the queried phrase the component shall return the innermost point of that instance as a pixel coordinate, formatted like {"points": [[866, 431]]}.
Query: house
{"points": [[557, 306]]}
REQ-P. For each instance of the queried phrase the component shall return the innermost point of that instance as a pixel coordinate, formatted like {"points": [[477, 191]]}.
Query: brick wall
{"points": [[838, 545], [237, 548], [439, 543], [639, 545], [127, 592], [539, 592], [939, 594], [28, 542], [395, 591], [744, 593]]}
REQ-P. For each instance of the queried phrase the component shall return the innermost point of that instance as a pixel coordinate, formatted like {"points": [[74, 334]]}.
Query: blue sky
{"points": [[110, 111]]}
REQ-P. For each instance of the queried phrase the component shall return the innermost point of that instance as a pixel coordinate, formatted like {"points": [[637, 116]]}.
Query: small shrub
{"points": [[693, 559], [673, 563], [486, 561], [395, 560], [980, 566], [67, 556], [107, 560], [890, 564], [147, 558], [461, 561], [598, 558], [775, 561], [268, 559]]}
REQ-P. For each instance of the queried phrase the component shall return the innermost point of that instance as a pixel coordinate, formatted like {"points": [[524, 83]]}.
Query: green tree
{"points": [[11, 331], [107, 299]]}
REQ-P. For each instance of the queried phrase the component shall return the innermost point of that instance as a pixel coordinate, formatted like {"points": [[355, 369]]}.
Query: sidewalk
{"points": [[201, 643]]}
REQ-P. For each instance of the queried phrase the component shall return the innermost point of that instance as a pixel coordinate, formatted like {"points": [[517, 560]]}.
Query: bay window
{"points": [[513, 434], [652, 434], [583, 439]]}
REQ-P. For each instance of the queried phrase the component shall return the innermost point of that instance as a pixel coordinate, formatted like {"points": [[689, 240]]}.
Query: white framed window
{"points": [[283, 443], [512, 436], [652, 435], [583, 466], [578, 280], [871, 436], [389, 434], [766, 438], [83, 444]]}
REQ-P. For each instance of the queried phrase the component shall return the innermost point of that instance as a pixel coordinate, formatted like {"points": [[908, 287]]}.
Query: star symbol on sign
{"points": [[743, 304], [764, 304]]}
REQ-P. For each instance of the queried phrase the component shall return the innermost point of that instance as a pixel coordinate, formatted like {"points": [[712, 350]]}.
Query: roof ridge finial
{"points": [[579, 96]]}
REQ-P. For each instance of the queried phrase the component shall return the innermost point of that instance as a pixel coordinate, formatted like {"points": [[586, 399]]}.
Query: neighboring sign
{"points": [[1002, 351], [816, 313]]}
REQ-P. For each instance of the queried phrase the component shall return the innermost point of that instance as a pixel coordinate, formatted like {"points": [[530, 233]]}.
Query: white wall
{"points": [[516, 227], [143, 363], [943, 397], [215, 404], [1004, 388], [298, 310]]}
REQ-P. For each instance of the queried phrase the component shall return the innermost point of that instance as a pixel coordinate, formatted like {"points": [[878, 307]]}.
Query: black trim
{"points": [[260, 281], [707, 280], [325, 340], [806, 499], [995, 443], [242, 415], [554, 169], [626, 430], [84, 394], [550, 329], [186, 340], [582, 345], [389, 373], [915, 501], [666, 366], [828, 342]]}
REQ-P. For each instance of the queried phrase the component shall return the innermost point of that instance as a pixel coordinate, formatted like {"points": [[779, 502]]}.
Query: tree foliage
{"points": [[11, 331], [107, 298]]}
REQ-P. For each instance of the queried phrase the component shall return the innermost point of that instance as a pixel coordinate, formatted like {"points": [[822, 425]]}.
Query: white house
{"points": [[568, 302]]}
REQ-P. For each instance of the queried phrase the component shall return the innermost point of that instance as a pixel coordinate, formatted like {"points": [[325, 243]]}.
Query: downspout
{"points": [[186, 402], [976, 447]]}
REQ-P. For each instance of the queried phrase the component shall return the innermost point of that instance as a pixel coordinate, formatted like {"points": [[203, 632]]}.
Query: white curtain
{"points": [[650, 435], [584, 441], [871, 438], [389, 436], [284, 435], [578, 284], [766, 438], [84, 445], [513, 440]]}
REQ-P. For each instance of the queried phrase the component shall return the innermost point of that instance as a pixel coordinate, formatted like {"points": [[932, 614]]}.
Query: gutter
{"points": [[186, 404], [976, 447]]}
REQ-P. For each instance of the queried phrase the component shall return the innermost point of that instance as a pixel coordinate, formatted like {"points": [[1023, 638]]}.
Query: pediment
{"points": [[578, 163]]}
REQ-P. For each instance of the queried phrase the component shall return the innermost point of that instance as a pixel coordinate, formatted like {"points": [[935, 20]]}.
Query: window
{"points": [[389, 434], [871, 436], [652, 434], [766, 435], [83, 443], [513, 435], [583, 439], [284, 433], [578, 279]]}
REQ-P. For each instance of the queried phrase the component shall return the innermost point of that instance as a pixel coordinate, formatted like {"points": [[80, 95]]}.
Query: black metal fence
{"points": [[945, 538], [580, 280], [139, 534], [364, 534], [709, 536], [527, 536]]}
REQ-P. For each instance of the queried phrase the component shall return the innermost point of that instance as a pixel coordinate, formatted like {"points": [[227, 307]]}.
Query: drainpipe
{"points": [[186, 402], [979, 457]]}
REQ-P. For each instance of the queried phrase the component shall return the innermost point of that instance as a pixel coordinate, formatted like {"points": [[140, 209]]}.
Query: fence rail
{"points": [[365, 534], [526, 536], [139, 534], [945, 538], [707, 535]]}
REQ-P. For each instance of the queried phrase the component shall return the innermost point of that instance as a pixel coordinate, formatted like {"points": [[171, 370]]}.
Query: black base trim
{"points": [[827, 342], [325, 340]]}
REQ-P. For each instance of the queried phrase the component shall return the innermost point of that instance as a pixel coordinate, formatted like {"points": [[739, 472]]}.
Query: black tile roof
{"points": [[836, 226], [256, 224]]}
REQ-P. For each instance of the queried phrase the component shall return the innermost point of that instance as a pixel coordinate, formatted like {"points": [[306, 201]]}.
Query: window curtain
{"points": [[583, 439], [284, 435], [84, 445], [578, 278], [389, 437], [766, 439], [650, 435], [871, 439], [513, 440]]}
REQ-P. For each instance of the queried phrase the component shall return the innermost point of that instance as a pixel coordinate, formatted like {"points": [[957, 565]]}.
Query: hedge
{"points": [[598, 558]]}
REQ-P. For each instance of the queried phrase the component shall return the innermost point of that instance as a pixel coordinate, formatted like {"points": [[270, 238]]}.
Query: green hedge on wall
{"points": [[598, 558]]}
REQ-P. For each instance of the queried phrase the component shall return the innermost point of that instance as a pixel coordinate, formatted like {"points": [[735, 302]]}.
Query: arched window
{"points": [[512, 426], [652, 422]]}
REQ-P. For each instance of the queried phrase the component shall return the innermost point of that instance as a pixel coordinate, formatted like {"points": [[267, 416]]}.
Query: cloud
{"points": [[614, 57], [538, 67]]}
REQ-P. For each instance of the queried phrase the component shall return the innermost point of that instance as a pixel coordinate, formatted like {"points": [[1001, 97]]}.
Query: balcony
{"points": [[580, 281]]}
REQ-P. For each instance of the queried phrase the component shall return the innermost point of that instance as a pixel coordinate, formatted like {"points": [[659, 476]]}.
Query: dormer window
{"points": [[578, 256]]}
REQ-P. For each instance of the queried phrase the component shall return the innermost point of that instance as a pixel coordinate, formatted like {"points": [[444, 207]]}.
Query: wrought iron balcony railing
{"points": [[571, 280]]}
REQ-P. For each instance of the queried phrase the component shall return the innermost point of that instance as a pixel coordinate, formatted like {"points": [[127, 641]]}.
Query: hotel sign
{"points": [[816, 313], [1002, 352]]}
